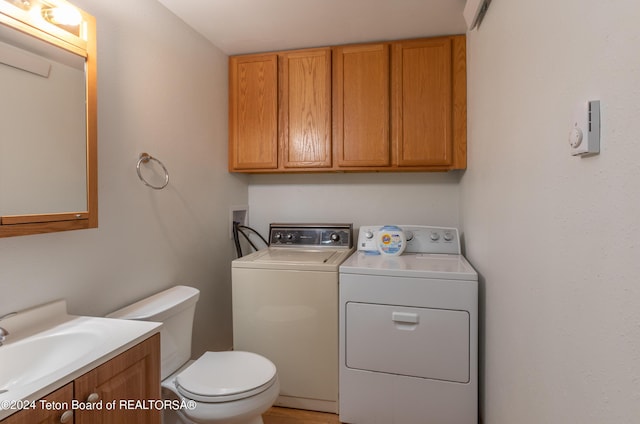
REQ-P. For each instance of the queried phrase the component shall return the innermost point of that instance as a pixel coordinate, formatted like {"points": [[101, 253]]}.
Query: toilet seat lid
{"points": [[226, 376]]}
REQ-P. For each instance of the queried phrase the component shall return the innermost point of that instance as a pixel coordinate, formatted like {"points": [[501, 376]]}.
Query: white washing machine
{"points": [[285, 307], [409, 331]]}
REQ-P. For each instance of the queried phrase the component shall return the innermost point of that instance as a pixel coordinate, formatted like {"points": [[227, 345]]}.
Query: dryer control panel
{"points": [[420, 239]]}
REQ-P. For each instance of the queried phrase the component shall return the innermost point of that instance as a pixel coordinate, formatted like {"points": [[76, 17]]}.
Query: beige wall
{"points": [[358, 198], [560, 339], [161, 89], [554, 237]]}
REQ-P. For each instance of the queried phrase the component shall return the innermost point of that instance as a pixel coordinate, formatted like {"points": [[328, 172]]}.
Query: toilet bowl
{"points": [[231, 387], [228, 399]]}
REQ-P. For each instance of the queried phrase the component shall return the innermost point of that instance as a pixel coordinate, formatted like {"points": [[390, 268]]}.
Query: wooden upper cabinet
{"points": [[390, 106], [253, 112], [361, 105], [305, 108], [428, 113]]}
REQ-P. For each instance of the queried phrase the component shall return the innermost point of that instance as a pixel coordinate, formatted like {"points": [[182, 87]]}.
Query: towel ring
{"points": [[144, 158]]}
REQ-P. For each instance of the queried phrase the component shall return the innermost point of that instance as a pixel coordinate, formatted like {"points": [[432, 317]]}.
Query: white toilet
{"points": [[223, 387]]}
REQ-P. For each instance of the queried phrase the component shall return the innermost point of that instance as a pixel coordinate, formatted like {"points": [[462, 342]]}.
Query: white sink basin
{"points": [[46, 348], [37, 356]]}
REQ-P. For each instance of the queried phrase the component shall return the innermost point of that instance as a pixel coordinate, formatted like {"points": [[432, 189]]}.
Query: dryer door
{"points": [[416, 342]]}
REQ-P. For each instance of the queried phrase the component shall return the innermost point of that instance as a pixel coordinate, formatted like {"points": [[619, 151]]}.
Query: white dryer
{"points": [[409, 331]]}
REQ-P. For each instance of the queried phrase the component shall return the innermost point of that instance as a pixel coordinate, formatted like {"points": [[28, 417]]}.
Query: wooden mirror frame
{"points": [[84, 45]]}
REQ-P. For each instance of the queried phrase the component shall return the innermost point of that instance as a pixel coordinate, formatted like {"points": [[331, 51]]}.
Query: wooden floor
{"points": [[278, 415]]}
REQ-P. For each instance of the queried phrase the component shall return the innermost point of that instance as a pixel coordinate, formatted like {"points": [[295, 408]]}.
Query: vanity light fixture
{"points": [[22, 4], [62, 15]]}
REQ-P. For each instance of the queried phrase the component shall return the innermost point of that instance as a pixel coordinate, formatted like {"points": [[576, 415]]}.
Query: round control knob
{"points": [[335, 237], [435, 236], [408, 235], [289, 236], [575, 137], [277, 236], [447, 236], [368, 235]]}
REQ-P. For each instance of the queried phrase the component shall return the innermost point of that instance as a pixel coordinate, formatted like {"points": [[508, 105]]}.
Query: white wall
{"points": [[360, 198], [161, 89], [555, 238]]}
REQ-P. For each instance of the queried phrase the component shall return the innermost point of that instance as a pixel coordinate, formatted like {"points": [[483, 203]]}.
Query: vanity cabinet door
{"points": [[60, 402], [132, 376]]}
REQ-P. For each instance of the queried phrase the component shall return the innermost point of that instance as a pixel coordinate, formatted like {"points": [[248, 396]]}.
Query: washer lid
{"points": [[296, 255], [292, 258], [230, 375]]}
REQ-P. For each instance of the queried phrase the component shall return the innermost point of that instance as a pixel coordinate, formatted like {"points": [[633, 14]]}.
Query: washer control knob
{"points": [[435, 236], [447, 236], [408, 235], [368, 235], [335, 237], [277, 236], [289, 236]]}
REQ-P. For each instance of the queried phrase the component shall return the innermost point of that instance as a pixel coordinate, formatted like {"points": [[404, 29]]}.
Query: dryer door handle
{"points": [[405, 318]]}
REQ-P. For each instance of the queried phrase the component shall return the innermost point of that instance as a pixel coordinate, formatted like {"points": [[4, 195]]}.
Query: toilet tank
{"points": [[174, 308]]}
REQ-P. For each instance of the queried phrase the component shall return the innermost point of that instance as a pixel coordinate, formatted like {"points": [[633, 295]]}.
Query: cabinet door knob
{"points": [[93, 397], [66, 417]]}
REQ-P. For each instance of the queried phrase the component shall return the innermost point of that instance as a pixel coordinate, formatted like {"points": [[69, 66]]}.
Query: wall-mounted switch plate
{"points": [[584, 135], [238, 214]]}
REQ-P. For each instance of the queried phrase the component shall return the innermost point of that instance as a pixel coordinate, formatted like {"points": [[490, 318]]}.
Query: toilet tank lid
{"points": [[160, 305]]}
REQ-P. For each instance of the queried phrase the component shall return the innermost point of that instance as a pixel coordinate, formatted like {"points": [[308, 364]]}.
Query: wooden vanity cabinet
{"points": [[132, 376], [38, 415]]}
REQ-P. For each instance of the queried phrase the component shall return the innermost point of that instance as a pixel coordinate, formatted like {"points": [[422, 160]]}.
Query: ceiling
{"points": [[250, 26]]}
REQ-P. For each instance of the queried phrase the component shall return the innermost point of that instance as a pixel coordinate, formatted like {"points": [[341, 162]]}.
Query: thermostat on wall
{"points": [[584, 136]]}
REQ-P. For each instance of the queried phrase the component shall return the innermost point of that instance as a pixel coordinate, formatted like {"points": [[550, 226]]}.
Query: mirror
{"points": [[48, 132]]}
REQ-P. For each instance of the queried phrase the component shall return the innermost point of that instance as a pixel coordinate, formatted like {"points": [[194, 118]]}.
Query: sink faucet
{"points": [[4, 333]]}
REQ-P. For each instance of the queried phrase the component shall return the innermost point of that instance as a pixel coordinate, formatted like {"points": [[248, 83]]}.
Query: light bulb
{"points": [[62, 15]]}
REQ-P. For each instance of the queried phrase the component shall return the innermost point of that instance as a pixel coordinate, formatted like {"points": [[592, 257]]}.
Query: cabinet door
{"points": [[133, 375], [305, 108], [59, 401], [253, 112], [361, 105], [427, 102]]}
